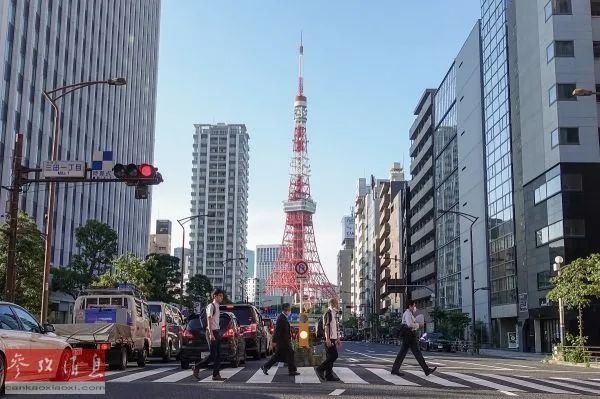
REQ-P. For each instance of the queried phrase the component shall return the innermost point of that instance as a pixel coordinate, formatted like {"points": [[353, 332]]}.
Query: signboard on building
{"points": [[513, 342], [347, 227], [102, 165], [68, 169], [523, 306], [163, 227]]}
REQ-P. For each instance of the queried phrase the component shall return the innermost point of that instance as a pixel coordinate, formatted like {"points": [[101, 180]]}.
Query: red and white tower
{"points": [[299, 237]]}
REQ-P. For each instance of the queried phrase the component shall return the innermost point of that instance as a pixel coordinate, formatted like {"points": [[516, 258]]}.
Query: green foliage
{"points": [[450, 323], [29, 262], [350, 322], [575, 350], [198, 289], [578, 283], [129, 269], [165, 275], [70, 280]]}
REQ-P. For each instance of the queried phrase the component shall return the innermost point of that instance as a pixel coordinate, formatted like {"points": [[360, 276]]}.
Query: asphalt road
{"points": [[364, 371]]}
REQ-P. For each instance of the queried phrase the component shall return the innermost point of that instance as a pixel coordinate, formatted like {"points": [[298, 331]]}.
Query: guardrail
{"points": [[576, 354]]}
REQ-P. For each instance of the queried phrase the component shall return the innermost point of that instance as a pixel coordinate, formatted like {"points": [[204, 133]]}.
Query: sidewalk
{"points": [[510, 354]]}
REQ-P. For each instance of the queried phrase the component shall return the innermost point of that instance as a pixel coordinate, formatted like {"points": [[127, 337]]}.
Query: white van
{"points": [[167, 325]]}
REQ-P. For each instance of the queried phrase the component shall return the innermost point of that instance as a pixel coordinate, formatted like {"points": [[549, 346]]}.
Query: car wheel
{"points": [[167, 355], [185, 365], [142, 357], [121, 363], [64, 366]]}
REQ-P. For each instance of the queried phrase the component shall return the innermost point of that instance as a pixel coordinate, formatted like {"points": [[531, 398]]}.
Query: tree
{"points": [[577, 284], [198, 289], [129, 269], [350, 322], [29, 262], [450, 323], [70, 280], [165, 275]]}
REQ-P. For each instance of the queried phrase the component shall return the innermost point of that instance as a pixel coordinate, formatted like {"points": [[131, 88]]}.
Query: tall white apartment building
{"points": [[220, 190]]}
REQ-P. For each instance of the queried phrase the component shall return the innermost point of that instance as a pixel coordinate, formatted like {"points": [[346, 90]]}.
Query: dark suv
{"points": [[251, 328], [193, 340]]}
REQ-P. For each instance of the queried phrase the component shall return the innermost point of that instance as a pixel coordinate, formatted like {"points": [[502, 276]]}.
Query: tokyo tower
{"points": [[298, 246]]}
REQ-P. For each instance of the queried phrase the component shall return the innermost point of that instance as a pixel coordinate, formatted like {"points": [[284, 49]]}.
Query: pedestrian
{"points": [[282, 341], [332, 341], [213, 336], [409, 341]]}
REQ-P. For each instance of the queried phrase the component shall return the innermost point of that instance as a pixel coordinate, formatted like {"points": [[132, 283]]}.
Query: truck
{"points": [[114, 321]]}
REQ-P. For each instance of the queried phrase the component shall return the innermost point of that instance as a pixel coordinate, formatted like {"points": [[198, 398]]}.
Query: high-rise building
{"points": [[50, 44], [251, 264], [422, 270], [160, 243], [344, 265], [220, 189], [253, 295], [266, 256]]}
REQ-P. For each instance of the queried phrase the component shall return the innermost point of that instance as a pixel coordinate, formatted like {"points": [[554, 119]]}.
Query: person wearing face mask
{"points": [[282, 340]]}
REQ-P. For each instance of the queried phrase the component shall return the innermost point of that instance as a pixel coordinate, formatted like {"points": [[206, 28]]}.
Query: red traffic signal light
{"points": [[146, 170]]}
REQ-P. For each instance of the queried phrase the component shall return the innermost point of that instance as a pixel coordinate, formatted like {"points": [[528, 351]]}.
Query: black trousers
{"points": [[285, 354], [409, 341], [330, 358], [215, 354]]}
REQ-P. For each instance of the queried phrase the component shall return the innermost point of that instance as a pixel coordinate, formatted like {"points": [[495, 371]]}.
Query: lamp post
{"points": [[53, 96], [182, 223], [558, 262], [472, 219]]}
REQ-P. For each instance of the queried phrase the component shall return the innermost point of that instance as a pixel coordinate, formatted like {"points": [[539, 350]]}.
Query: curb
{"points": [[561, 363]]}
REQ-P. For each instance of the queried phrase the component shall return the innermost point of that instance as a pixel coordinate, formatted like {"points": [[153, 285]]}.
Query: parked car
{"points": [[270, 330], [435, 342], [166, 329], [21, 335], [251, 327], [194, 343]]}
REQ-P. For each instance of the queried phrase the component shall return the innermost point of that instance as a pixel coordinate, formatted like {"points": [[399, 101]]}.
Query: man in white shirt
{"points": [[410, 341], [331, 331], [213, 334]]}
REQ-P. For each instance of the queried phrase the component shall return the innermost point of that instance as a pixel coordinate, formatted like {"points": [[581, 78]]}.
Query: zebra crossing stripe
{"points": [[435, 379], [485, 383], [577, 387], [176, 376], [260, 378], [394, 379], [528, 384], [348, 376], [225, 373], [142, 374], [586, 382], [308, 375]]}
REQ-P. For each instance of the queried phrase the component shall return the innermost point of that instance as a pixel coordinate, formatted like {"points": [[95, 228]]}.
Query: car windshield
{"points": [[244, 315]]}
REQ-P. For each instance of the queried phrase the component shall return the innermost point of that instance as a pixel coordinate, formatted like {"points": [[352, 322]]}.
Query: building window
{"points": [[596, 49], [547, 190], [543, 280], [562, 92], [549, 233], [595, 5], [560, 48], [558, 7], [564, 136]]}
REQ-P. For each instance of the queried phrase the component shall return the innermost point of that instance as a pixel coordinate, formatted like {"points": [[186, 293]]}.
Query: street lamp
{"points": [[472, 219], [182, 223], [583, 92], [558, 262], [53, 96]]}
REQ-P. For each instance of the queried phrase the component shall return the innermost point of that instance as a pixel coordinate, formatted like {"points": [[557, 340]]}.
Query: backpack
{"points": [[321, 324]]}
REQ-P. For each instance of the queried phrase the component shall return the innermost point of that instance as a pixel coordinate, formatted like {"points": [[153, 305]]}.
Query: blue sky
{"points": [[366, 65]]}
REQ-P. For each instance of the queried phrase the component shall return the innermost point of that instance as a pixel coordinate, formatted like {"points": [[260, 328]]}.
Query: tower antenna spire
{"points": [[301, 68]]}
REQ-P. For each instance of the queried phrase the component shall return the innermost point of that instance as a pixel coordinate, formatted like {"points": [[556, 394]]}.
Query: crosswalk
{"points": [[508, 384]]}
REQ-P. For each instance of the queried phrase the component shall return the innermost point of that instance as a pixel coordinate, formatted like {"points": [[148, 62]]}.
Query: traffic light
{"points": [[303, 335], [133, 174]]}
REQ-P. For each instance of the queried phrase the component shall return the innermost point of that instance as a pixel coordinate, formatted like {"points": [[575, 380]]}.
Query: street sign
{"points": [[102, 165], [301, 268], [63, 169], [523, 305], [512, 340]]}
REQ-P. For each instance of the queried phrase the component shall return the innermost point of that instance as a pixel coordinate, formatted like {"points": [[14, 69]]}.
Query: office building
{"points": [[49, 44], [251, 263], [160, 243], [253, 291], [266, 256], [220, 188], [344, 265]]}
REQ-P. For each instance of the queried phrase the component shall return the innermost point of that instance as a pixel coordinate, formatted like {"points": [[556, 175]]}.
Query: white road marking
{"points": [[225, 373], [528, 384], [517, 365], [348, 376], [337, 392], [508, 393], [308, 375], [485, 383], [176, 376], [479, 365], [142, 374], [587, 382], [260, 378], [394, 379], [574, 386], [114, 372], [372, 357], [436, 379]]}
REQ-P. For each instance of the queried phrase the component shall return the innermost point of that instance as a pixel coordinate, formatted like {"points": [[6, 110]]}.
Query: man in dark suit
{"points": [[282, 339]]}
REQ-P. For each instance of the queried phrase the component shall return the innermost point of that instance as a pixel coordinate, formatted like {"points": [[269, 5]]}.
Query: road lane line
{"points": [[528, 384], [479, 365], [348, 376], [260, 378], [308, 375], [389, 377], [436, 379], [485, 383], [337, 392], [508, 393], [142, 374], [176, 376], [577, 387], [517, 365], [372, 357], [587, 382], [225, 373]]}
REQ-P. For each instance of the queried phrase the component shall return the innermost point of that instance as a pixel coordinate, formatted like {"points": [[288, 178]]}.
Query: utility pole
{"points": [[11, 269]]}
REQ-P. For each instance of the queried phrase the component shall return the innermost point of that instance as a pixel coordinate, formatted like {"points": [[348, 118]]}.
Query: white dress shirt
{"points": [[408, 318]]}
